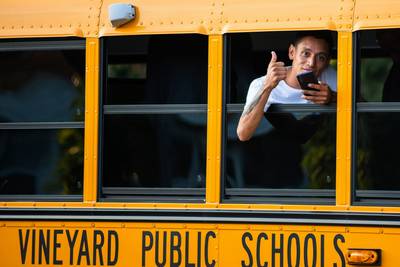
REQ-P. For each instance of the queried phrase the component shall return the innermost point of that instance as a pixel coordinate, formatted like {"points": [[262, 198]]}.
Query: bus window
{"points": [[291, 155], [377, 172], [41, 118], [154, 116]]}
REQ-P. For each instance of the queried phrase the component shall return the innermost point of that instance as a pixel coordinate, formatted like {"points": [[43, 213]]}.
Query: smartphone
{"points": [[306, 78]]}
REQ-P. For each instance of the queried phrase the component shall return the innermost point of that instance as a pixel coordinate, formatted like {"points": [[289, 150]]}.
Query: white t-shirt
{"points": [[283, 93]]}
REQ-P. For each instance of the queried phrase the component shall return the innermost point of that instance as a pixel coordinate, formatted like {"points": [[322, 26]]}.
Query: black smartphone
{"points": [[306, 78]]}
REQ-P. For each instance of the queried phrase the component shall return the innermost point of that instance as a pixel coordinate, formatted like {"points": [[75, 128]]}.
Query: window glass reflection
{"points": [[155, 150], [378, 151], [158, 69], [375, 162], [42, 86], [41, 161], [154, 115], [288, 150], [287, 130], [380, 66]]}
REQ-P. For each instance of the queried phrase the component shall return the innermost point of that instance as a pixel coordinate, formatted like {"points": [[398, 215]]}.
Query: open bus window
{"points": [[154, 116], [291, 157], [41, 118], [376, 169]]}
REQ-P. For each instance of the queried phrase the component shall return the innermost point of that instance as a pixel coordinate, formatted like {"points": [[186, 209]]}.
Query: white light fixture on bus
{"points": [[120, 13]]}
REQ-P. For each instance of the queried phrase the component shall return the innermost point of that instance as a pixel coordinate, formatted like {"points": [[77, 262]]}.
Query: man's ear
{"points": [[291, 52]]}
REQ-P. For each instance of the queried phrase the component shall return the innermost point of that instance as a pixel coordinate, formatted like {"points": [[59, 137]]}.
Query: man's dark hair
{"points": [[324, 35]]}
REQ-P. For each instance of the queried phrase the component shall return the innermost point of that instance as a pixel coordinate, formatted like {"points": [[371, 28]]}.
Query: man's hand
{"points": [[323, 96], [275, 73]]}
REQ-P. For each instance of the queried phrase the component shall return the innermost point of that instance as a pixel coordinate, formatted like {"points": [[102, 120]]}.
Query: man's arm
{"points": [[250, 119]]}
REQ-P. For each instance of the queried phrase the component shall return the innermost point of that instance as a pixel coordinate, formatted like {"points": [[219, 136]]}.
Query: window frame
{"points": [[366, 197], [142, 194], [267, 195], [44, 44]]}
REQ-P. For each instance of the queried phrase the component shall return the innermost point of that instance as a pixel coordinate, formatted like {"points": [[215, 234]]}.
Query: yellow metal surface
{"points": [[91, 120], [89, 18], [376, 14], [47, 18], [173, 16], [214, 17], [188, 206], [145, 244], [343, 137], [214, 119], [285, 15]]}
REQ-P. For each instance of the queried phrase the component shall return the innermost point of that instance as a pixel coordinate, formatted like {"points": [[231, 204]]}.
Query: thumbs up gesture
{"points": [[275, 73]]}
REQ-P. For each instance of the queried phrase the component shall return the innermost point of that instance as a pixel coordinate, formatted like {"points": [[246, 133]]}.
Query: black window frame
{"points": [[267, 196], [43, 44], [366, 197], [141, 194]]}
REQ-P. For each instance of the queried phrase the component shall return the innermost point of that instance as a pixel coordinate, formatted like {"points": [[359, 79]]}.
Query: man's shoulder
{"points": [[258, 81], [329, 76]]}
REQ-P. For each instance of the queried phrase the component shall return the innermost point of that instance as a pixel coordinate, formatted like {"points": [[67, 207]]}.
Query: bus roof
{"points": [[89, 18]]}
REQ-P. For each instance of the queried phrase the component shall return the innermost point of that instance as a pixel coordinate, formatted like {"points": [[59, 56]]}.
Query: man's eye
{"points": [[322, 58], [305, 54]]}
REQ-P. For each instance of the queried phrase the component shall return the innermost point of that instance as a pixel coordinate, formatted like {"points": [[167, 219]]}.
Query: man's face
{"points": [[310, 54]]}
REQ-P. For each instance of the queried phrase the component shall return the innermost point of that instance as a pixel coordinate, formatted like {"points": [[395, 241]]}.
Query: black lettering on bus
{"points": [[71, 244], [83, 249], [246, 248], [44, 246], [23, 244], [33, 245], [187, 249], [175, 247], [112, 235], [338, 250], [208, 235], [296, 239], [199, 249], [146, 247], [164, 250], [277, 250], [314, 250], [98, 243], [56, 245], [322, 246], [258, 248]]}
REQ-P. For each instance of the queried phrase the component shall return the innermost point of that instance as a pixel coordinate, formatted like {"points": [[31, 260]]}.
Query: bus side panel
{"points": [[195, 244]]}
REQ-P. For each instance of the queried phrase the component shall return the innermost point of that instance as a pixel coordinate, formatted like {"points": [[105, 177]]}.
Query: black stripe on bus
{"points": [[202, 216]]}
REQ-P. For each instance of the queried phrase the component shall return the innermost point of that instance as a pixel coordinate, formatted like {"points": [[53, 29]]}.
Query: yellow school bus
{"points": [[119, 147]]}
